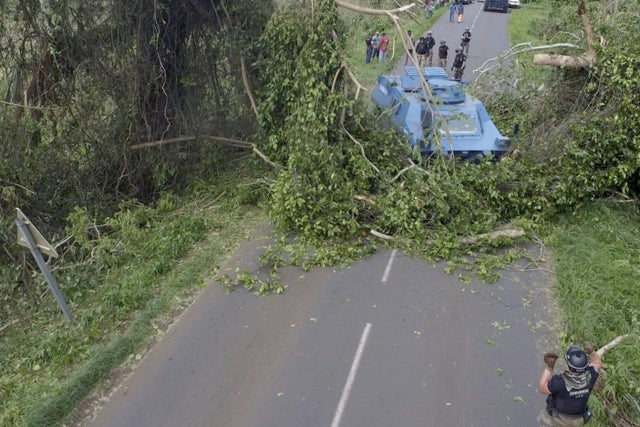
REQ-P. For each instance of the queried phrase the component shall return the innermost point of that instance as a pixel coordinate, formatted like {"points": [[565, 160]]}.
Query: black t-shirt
{"points": [[421, 48], [443, 51], [572, 402], [459, 60]]}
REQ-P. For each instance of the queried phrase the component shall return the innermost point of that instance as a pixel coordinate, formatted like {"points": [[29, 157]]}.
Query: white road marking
{"points": [[352, 375], [387, 270]]}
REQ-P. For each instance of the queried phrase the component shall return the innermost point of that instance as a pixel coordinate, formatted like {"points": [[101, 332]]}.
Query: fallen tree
{"points": [[586, 60]]}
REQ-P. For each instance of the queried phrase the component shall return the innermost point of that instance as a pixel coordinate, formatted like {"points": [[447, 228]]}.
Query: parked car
{"points": [[499, 5], [514, 3]]}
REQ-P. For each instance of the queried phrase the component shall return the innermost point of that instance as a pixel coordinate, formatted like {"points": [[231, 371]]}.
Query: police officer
{"points": [[443, 54], [459, 64], [421, 51], [568, 392], [431, 42], [465, 41]]}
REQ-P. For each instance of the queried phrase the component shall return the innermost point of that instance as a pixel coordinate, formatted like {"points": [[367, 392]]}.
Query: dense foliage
{"points": [[86, 80], [339, 173]]}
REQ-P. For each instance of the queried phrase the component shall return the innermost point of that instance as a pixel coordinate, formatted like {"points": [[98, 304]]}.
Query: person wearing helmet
{"points": [[465, 41], [568, 392], [443, 54], [459, 64], [431, 42]]}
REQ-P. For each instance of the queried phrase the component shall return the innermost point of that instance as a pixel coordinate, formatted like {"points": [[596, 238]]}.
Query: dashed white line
{"points": [[387, 270], [352, 375]]}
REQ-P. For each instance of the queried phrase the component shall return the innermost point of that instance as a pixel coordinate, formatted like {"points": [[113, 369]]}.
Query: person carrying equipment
{"points": [[465, 41], [459, 64]]}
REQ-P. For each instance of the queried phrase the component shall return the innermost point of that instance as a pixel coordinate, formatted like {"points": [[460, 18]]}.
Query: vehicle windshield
{"points": [[461, 124]]}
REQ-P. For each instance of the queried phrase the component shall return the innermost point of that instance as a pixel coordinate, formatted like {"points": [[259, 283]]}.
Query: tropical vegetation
{"points": [[145, 137]]}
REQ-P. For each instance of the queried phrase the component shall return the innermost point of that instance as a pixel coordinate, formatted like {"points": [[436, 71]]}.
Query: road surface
{"points": [[390, 341]]}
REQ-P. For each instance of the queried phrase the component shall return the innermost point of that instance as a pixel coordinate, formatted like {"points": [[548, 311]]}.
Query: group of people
{"points": [[424, 51], [456, 11], [377, 46]]}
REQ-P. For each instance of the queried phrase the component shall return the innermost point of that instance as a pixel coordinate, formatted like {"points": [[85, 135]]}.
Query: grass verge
{"points": [[51, 366], [597, 253], [361, 26]]}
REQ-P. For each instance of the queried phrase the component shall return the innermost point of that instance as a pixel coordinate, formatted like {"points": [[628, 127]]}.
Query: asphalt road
{"points": [[489, 32], [390, 341]]}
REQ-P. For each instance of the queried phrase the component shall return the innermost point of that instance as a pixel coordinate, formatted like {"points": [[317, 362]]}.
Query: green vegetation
{"points": [[596, 253], [157, 260], [331, 175], [359, 26]]}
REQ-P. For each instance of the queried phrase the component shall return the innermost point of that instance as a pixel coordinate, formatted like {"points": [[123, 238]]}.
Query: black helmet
{"points": [[576, 359]]}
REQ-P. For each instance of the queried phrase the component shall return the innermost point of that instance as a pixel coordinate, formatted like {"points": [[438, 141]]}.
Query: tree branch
{"points": [[586, 60], [265, 157], [612, 344], [229, 141], [369, 11], [355, 141]]}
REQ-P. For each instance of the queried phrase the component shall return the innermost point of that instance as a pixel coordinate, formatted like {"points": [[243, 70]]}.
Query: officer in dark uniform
{"points": [[459, 64], [431, 42], [465, 41], [568, 392], [421, 51], [443, 54]]}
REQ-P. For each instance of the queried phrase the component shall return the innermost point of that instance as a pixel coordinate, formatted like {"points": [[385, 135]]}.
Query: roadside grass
{"points": [[597, 265], [596, 253], [51, 366]]}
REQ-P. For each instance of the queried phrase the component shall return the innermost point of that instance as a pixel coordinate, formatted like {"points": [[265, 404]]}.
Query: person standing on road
{"points": [[460, 10], [431, 42], [411, 44], [568, 392], [465, 41], [459, 64], [452, 12], [383, 47], [443, 54], [421, 51]]}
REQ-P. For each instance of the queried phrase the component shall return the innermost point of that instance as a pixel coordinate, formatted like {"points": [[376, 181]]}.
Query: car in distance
{"points": [[514, 3], [498, 5]]}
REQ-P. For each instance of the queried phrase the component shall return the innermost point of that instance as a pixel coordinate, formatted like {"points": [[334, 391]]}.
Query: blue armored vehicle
{"points": [[443, 118]]}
